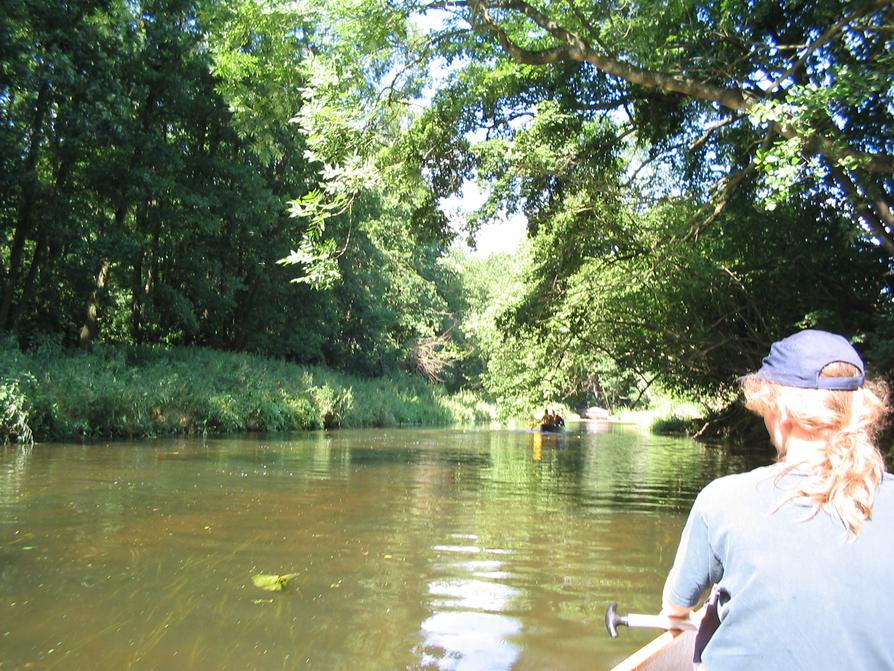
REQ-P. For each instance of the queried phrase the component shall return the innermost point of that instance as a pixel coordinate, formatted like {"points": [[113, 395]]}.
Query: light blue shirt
{"points": [[800, 596]]}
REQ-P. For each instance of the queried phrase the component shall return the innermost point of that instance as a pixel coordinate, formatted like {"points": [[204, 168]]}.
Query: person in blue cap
{"points": [[797, 555]]}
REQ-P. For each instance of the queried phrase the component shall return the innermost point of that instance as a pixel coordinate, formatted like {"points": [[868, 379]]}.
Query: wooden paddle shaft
{"points": [[613, 621], [659, 622]]}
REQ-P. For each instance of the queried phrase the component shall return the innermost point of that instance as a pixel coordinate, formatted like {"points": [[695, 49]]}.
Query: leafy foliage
{"points": [[698, 180], [142, 391], [164, 156], [14, 413]]}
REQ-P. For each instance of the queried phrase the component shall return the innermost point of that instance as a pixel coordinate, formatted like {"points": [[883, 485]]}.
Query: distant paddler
{"points": [[551, 421]]}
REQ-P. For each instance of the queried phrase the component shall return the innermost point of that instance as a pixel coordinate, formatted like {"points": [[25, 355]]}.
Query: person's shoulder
{"points": [[886, 486], [746, 478], [740, 484], [883, 505]]}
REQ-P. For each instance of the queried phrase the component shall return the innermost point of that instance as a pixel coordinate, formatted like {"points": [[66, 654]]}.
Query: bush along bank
{"points": [[126, 392]]}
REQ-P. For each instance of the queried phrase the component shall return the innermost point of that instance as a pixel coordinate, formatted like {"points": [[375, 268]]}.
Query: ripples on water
{"points": [[413, 549]]}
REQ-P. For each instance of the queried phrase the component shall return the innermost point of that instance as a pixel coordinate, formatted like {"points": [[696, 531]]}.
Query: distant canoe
{"points": [[551, 427], [593, 412]]}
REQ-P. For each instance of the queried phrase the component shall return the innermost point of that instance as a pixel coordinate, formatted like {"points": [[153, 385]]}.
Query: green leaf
{"points": [[270, 582]]}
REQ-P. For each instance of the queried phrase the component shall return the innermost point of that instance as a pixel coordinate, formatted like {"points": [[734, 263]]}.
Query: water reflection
{"points": [[17, 462], [595, 426], [413, 549], [470, 627], [537, 446]]}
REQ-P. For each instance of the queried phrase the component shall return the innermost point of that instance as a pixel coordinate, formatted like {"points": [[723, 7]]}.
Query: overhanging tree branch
{"points": [[874, 212], [572, 47], [823, 39]]}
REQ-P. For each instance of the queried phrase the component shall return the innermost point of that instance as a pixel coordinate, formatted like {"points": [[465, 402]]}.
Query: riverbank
{"points": [[51, 394]]}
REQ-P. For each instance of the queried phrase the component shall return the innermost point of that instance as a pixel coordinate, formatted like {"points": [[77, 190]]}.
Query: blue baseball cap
{"points": [[798, 360]]}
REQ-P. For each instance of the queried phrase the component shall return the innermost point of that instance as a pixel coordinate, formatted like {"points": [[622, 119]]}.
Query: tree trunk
{"points": [[240, 322], [872, 208], [90, 329], [41, 251], [143, 286], [26, 208], [137, 301]]}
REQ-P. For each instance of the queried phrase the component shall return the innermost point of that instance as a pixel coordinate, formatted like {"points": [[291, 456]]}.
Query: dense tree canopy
{"points": [[150, 156], [800, 90], [699, 178]]}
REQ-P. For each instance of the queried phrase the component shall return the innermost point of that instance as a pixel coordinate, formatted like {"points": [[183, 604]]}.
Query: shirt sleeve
{"points": [[696, 567]]}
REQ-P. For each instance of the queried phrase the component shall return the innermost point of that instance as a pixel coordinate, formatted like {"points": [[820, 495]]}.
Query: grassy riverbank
{"points": [[123, 392]]}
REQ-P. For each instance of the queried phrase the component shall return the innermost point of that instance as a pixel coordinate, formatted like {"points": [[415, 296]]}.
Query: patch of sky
{"points": [[503, 235]]}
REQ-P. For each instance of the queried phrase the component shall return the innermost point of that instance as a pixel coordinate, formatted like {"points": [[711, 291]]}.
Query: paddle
{"points": [[613, 620]]}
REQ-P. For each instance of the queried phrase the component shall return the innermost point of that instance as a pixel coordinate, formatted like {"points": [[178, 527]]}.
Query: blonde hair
{"points": [[842, 478]]}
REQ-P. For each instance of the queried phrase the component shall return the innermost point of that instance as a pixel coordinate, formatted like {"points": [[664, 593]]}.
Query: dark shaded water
{"points": [[413, 549]]}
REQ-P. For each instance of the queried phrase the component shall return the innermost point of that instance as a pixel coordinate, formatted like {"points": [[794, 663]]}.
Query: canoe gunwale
{"points": [[671, 651]]}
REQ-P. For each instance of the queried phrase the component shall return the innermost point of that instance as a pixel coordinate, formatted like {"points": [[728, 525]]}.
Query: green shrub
{"points": [[123, 392], [14, 413], [677, 426]]}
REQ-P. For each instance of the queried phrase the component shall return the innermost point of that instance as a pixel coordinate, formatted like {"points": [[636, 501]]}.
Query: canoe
{"points": [[671, 651], [551, 428]]}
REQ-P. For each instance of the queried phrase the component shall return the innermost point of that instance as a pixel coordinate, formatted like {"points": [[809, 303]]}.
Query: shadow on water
{"points": [[411, 549]]}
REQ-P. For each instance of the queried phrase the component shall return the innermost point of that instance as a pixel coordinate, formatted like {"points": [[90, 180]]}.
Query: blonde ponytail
{"points": [[842, 478]]}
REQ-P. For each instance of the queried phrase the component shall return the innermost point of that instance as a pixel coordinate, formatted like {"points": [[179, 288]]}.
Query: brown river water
{"points": [[442, 549]]}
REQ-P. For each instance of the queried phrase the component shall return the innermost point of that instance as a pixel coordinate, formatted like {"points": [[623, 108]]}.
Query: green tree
{"points": [[675, 164], [800, 91], [157, 153], [58, 92]]}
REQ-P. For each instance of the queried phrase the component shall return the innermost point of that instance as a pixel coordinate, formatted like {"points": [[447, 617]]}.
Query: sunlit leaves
{"points": [[259, 50]]}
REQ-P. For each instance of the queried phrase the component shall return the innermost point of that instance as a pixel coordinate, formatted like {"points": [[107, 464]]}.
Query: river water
{"points": [[413, 549]]}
